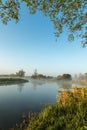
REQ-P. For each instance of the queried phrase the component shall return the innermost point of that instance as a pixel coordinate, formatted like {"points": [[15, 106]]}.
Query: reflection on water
{"points": [[20, 87], [16, 100], [36, 83]]}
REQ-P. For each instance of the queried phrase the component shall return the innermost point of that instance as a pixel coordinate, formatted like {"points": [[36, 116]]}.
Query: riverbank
{"points": [[8, 81], [69, 113]]}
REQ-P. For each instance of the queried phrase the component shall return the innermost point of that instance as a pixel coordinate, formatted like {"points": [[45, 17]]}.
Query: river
{"points": [[17, 100]]}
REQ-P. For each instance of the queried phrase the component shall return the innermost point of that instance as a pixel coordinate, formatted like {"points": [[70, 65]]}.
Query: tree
{"points": [[20, 73], [64, 77], [35, 74], [85, 75], [41, 76], [63, 13], [67, 76]]}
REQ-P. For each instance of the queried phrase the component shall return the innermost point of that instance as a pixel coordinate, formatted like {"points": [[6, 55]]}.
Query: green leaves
{"points": [[64, 14], [9, 10]]}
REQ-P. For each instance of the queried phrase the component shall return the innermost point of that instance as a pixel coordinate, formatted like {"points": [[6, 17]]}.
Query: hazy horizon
{"points": [[47, 74]]}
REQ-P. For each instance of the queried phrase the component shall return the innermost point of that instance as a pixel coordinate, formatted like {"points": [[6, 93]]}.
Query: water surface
{"points": [[16, 100]]}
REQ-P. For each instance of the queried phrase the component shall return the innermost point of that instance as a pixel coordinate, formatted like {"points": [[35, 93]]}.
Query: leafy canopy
{"points": [[63, 13]]}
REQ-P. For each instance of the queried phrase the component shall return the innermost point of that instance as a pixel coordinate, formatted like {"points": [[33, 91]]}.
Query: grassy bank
{"points": [[69, 113], [6, 81]]}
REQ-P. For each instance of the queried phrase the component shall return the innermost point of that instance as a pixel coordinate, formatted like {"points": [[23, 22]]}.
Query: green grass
{"points": [[6, 81], [61, 118], [69, 113]]}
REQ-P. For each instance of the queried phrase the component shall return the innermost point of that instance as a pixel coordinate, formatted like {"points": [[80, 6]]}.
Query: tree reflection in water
{"points": [[20, 87], [36, 83]]}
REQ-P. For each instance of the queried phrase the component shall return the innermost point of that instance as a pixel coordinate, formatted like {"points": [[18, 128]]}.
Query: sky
{"points": [[31, 44]]}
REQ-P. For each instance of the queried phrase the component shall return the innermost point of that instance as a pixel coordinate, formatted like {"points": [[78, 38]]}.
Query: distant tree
{"points": [[20, 73], [41, 76], [71, 14], [67, 76], [85, 75], [35, 74], [59, 77], [49, 77], [64, 77]]}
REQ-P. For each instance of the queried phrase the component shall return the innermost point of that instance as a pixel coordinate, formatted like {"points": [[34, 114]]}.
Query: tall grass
{"points": [[69, 113]]}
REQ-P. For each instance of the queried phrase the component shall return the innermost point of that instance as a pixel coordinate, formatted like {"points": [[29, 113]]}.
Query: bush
{"points": [[70, 113]]}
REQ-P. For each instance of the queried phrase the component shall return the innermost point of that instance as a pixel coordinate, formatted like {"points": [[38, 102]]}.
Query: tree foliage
{"points": [[20, 73], [9, 10], [64, 77], [36, 75], [63, 13]]}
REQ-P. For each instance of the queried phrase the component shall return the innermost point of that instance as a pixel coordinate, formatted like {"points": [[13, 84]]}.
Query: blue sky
{"points": [[30, 44]]}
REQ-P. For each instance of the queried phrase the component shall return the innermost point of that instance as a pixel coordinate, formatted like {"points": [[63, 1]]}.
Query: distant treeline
{"points": [[82, 76], [36, 75], [41, 76], [64, 77], [20, 73]]}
